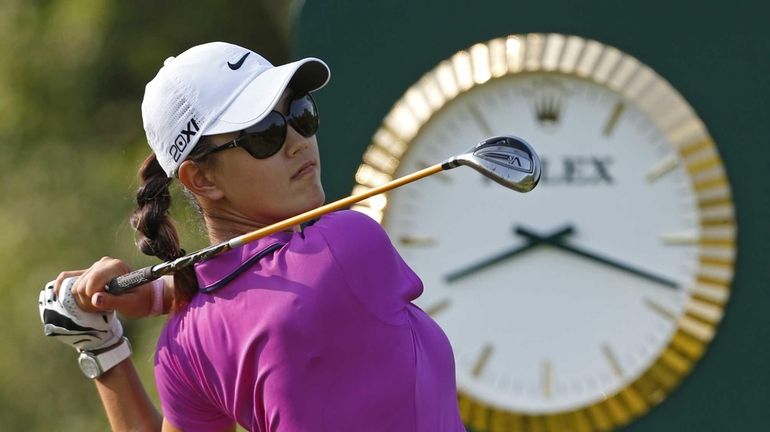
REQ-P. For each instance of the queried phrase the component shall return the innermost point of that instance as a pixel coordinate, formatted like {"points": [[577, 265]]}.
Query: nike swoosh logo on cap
{"points": [[236, 66]]}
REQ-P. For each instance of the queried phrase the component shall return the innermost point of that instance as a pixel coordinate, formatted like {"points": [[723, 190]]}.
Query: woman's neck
{"points": [[224, 228]]}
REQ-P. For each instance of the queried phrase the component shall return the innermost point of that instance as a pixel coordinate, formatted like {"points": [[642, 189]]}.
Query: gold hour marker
{"points": [[547, 381], [480, 120], [438, 307], [662, 167], [680, 238], [612, 359], [486, 352], [660, 310], [417, 240], [614, 117]]}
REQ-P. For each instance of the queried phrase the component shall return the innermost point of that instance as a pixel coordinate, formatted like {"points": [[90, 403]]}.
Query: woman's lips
{"points": [[306, 168]]}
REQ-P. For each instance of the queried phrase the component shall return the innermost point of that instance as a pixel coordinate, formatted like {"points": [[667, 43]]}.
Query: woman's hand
{"points": [[64, 320], [90, 295]]}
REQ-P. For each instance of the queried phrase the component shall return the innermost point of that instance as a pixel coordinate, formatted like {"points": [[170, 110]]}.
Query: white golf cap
{"points": [[216, 88]]}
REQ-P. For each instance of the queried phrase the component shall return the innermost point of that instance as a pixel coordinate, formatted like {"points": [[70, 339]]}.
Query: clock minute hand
{"points": [[560, 244], [473, 268]]}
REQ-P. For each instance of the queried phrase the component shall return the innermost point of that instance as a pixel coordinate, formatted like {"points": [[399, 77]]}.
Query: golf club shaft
{"points": [[336, 205], [131, 280]]}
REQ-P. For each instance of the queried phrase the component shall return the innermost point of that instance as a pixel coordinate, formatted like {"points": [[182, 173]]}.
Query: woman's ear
{"points": [[198, 180]]}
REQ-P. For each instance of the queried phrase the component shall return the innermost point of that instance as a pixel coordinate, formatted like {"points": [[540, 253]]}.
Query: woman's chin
{"points": [[317, 199]]}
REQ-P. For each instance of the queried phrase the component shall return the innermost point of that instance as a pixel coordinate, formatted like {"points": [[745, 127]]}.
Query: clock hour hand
{"points": [[531, 242], [563, 245]]}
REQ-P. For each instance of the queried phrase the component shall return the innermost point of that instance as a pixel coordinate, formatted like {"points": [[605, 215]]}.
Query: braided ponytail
{"points": [[157, 232]]}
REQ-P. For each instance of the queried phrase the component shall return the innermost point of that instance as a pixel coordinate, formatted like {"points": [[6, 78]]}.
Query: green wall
{"points": [[718, 57]]}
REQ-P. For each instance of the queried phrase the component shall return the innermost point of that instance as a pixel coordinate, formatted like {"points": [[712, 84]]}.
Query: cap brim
{"points": [[260, 96]]}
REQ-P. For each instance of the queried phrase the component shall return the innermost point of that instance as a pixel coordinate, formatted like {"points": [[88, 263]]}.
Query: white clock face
{"points": [[550, 327]]}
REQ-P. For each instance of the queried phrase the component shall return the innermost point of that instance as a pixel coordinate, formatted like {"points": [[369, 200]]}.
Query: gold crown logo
{"points": [[548, 102]]}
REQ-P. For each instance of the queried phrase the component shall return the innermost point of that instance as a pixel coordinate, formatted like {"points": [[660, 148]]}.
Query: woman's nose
{"points": [[295, 142]]}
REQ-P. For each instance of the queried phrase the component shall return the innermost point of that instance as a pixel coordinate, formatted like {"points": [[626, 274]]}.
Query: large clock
{"points": [[582, 304]]}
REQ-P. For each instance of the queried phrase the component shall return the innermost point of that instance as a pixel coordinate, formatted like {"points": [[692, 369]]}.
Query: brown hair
{"points": [[157, 234]]}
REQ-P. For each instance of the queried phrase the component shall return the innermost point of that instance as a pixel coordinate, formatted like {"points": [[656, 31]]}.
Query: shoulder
{"points": [[352, 235], [349, 224], [175, 354], [369, 264], [178, 378], [171, 371], [168, 353]]}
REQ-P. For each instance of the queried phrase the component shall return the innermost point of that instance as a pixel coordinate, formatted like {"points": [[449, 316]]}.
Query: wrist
{"points": [[157, 297], [95, 363]]}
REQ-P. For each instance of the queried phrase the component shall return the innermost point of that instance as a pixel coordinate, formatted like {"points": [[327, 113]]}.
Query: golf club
{"points": [[506, 159]]}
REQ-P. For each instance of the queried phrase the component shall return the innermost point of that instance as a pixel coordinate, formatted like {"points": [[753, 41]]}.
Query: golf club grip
{"points": [[123, 283]]}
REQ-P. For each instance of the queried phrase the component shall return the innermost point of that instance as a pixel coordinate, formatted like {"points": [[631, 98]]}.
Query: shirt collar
{"points": [[219, 270]]}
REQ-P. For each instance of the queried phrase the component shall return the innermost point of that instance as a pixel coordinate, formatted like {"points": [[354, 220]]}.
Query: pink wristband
{"points": [[158, 287]]}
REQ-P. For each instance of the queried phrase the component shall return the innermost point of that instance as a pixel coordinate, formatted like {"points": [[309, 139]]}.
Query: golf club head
{"points": [[506, 159]]}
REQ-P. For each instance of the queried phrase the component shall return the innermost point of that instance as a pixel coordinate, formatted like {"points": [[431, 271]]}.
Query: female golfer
{"points": [[305, 330]]}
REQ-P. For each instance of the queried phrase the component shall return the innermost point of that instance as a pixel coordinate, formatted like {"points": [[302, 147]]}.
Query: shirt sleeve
{"points": [[182, 403], [375, 272]]}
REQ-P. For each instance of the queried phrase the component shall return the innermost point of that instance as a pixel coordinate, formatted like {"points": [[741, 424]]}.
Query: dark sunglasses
{"points": [[266, 138]]}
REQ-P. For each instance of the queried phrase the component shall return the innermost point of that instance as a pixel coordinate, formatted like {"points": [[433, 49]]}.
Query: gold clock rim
{"points": [[602, 64]]}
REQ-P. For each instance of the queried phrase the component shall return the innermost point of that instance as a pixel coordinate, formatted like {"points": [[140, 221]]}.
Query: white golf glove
{"points": [[63, 319]]}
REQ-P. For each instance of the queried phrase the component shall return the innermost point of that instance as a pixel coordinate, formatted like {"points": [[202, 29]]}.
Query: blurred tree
{"points": [[71, 81]]}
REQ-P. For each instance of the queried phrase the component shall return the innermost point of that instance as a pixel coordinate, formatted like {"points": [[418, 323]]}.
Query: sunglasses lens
{"points": [[265, 138], [303, 116]]}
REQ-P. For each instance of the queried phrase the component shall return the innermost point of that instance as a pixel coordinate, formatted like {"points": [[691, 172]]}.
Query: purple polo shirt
{"points": [[317, 335]]}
